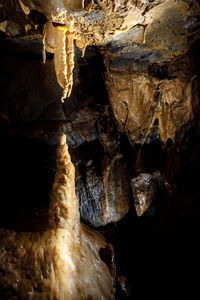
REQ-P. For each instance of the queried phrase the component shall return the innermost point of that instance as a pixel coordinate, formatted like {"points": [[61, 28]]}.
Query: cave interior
{"points": [[132, 128]]}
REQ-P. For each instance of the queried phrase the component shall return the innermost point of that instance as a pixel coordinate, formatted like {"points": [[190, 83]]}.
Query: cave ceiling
{"points": [[147, 48]]}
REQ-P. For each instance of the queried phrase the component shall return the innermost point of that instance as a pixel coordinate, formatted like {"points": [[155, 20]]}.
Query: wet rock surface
{"points": [[132, 119], [151, 84], [149, 193]]}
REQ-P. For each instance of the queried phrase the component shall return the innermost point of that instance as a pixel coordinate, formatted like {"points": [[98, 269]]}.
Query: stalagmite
{"points": [[63, 262]]}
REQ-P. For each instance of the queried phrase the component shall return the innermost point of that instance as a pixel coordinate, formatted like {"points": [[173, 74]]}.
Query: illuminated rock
{"points": [[80, 22], [141, 103], [152, 86], [63, 262]]}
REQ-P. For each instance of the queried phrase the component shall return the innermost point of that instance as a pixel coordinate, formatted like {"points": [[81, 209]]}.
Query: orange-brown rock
{"points": [[151, 75], [140, 102], [162, 25], [63, 262]]}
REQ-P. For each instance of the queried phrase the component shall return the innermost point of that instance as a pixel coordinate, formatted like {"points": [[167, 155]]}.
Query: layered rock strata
{"points": [[149, 193]]}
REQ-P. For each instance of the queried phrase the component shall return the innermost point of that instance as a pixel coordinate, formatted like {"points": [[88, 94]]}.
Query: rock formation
{"points": [[63, 262], [130, 71], [149, 193], [153, 38], [155, 79]]}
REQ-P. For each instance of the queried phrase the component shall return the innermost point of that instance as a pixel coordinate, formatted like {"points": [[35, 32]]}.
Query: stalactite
{"points": [[60, 41], [60, 61], [76, 30]]}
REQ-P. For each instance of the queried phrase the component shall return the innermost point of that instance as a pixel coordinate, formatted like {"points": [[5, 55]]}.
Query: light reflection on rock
{"points": [[149, 193]]}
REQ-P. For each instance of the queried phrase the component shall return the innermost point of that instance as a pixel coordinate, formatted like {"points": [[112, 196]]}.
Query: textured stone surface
{"points": [[147, 120], [141, 104], [34, 99], [31, 107], [151, 85], [90, 191], [104, 196], [52, 264], [104, 19], [163, 26], [109, 133], [117, 189], [149, 193], [152, 42]]}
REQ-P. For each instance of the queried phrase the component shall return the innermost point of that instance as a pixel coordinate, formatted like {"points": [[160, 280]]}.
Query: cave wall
{"points": [[94, 147], [132, 127]]}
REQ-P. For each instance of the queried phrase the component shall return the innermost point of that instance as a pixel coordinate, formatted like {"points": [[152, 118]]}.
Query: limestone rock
{"points": [[149, 193], [149, 53], [53, 264], [117, 189], [98, 23], [109, 133], [40, 117], [151, 84], [140, 104], [103, 196], [90, 192]]}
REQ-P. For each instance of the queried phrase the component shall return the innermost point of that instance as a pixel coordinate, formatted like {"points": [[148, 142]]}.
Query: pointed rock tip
{"points": [[62, 139]]}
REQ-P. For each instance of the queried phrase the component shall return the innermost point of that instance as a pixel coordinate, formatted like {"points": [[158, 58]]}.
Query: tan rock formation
{"points": [[153, 83], [82, 30], [62, 262], [102, 21], [138, 102], [160, 25]]}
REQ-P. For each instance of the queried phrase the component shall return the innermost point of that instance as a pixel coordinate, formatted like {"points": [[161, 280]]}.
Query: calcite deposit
{"points": [[96, 23], [63, 262], [130, 70], [148, 36], [75, 24], [151, 85], [149, 49], [41, 117], [147, 102]]}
